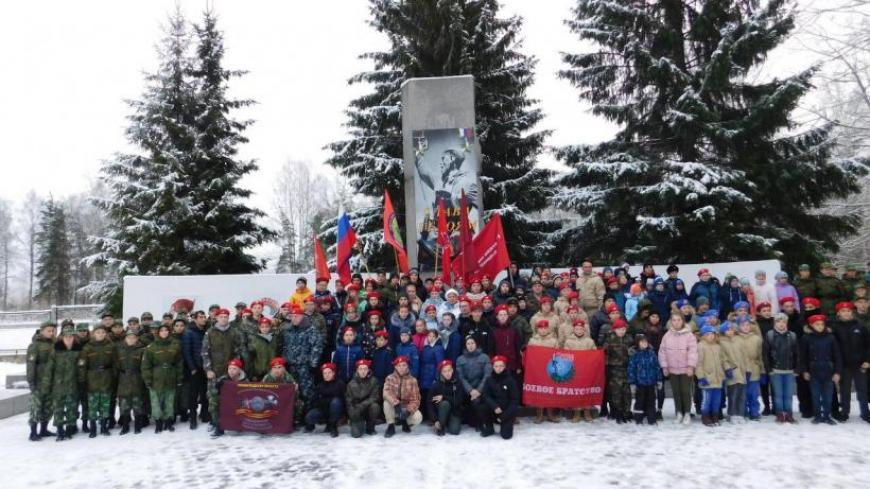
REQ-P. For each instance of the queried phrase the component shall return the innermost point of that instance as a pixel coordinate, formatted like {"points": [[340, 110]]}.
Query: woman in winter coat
{"points": [[446, 400], [501, 400], [678, 357], [729, 295], [473, 368], [821, 364], [431, 356], [363, 400], [448, 330]]}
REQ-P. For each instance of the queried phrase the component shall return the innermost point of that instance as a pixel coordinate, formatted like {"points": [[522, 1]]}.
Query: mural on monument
{"points": [[446, 163]]}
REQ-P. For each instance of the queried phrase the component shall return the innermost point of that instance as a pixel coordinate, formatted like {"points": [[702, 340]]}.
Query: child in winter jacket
{"points": [[450, 336], [821, 365], [632, 301], [735, 385], [750, 344], [346, 355], [713, 369], [430, 358], [382, 358], [579, 340], [780, 355], [618, 348], [420, 334], [408, 349], [678, 357], [546, 337], [644, 376]]}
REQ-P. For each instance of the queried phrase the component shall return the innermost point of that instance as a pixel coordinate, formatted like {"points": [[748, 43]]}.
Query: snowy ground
{"points": [[543, 456]]}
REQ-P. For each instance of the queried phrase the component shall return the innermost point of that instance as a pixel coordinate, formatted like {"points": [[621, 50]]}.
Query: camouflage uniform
{"points": [[214, 395], [617, 353], [302, 346], [218, 348], [65, 387], [806, 287], [40, 363], [830, 290], [96, 369], [261, 350], [128, 365], [182, 392], [162, 373], [82, 340]]}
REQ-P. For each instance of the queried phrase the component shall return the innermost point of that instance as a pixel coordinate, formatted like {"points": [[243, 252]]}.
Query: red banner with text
{"points": [[257, 406], [555, 378]]}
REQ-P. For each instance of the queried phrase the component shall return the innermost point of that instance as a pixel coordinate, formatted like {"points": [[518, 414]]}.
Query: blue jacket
{"points": [[728, 296], [345, 357], [660, 304], [643, 368], [429, 360], [709, 289], [382, 363], [631, 303], [409, 350], [191, 348], [675, 295], [820, 355], [453, 346]]}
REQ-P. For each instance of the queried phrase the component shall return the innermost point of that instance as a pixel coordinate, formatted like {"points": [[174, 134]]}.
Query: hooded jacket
{"points": [[678, 352]]}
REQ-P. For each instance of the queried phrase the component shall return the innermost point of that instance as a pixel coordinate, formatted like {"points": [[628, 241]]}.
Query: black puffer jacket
{"points": [[780, 351], [854, 342], [451, 390], [820, 355], [500, 390], [325, 392]]}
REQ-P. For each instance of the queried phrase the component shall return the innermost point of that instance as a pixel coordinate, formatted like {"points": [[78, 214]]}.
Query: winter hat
{"points": [[82, 327], [762, 305], [607, 269], [781, 274], [658, 280], [451, 291], [405, 330], [741, 305], [703, 271], [499, 308], [612, 308], [724, 327], [707, 329], [382, 333], [811, 301], [682, 302], [444, 363], [619, 324], [634, 289], [265, 320], [310, 300], [297, 311], [745, 281], [330, 366], [573, 295], [804, 267], [784, 300], [363, 361], [844, 305], [702, 300], [712, 313], [579, 322], [276, 362], [260, 303]]}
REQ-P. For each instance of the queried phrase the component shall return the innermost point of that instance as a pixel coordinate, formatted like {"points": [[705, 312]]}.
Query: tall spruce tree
{"points": [[175, 207], [443, 38], [708, 164], [54, 266]]}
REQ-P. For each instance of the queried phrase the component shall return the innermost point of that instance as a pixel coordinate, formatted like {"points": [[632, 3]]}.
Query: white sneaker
{"points": [[687, 420]]}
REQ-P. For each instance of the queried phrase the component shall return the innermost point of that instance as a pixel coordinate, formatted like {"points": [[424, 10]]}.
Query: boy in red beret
{"points": [[328, 402], [618, 348], [501, 396], [234, 374], [821, 364], [401, 398], [447, 400], [363, 400]]}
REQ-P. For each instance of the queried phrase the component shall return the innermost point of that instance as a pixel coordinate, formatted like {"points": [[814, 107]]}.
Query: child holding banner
{"points": [[545, 337], [579, 340]]}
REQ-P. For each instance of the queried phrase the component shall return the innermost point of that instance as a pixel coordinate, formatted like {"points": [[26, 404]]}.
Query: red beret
{"points": [[363, 361], [500, 358], [612, 280], [546, 299], [265, 320], [235, 362], [223, 312], [444, 363], [574, 270], [571, 309], [485, 277], [844, 305], [476, 306], [297, 310], [785, 299], [543, 323], [811, 301], [353, 287], [247, 310], [350, 307], [487, 298], [309, 299], [431, 307], [256, 303], [287, 305], [619, 324], [375, 312], [330, 366], [762, 305], [400, 359], [371, 281], [564, 285], [816, 317], [475, 281], [501, 307], [345, 330], [612, 308], [579, 322], [382, 333], [325, 299], [703, 271], [374, 295], [321, 279], [277, 361], [465, 299], [573, 295]]}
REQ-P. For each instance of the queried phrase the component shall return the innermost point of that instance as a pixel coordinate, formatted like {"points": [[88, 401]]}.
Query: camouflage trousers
{"points": [[162, 404], [618, 389], [83, 400], [128, 404], [40, 407], [303, 377], [66, 410], [98, 405], [213, 401]]}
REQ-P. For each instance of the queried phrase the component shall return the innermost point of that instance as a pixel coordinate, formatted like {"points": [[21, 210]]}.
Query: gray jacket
{"points": [[473, 369]]}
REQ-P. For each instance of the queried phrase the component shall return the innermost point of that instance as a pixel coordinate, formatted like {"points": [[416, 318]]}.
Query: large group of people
{"points": [[408, 351]]}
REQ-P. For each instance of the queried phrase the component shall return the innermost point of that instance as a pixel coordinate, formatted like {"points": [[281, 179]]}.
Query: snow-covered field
{"points": [[542, 456]]}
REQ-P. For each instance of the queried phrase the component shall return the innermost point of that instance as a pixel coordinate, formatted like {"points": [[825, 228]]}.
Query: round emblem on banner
{"points": [[561, 368]]}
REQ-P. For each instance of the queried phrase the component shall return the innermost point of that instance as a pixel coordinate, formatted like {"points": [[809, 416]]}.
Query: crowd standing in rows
{"points": [[403, 350]]}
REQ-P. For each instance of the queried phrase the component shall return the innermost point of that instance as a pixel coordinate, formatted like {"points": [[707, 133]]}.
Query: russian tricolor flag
{"points": [[345, 243]]}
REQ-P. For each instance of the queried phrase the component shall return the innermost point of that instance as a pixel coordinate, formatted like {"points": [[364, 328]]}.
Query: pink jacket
{"points": [[678, 352]]}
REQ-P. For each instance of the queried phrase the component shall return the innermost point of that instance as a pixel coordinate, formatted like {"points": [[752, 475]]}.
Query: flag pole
{"points": [[437, 252]]}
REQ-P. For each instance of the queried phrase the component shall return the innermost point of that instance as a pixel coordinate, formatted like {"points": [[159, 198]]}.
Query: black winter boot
{"points": [[169, 424], [193, 422], [111, 422], [61, 435], [125, 424], [34, 436], [92, 430], [217, 431], [137, 425], [43, 430], [104, 428], [333, 429], [370, 428], [486, 430], [405, 427], [391, 430], [71, 430], [638, 418], [85, 427], [158, 425], [184, 417]]}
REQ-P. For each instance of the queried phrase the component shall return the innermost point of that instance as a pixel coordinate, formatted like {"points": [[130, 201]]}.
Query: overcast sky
{"points": [[69, 66]]}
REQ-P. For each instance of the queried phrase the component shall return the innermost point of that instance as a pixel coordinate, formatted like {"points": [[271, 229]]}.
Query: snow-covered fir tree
{"points": [[444, 38], [708, 163], [53, 266], [175, 206]]}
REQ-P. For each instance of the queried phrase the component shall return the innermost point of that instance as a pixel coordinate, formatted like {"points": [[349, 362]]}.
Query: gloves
{"points": [[729, 374], [659, 386], [764, 379], [703, 382], [633, 389]]}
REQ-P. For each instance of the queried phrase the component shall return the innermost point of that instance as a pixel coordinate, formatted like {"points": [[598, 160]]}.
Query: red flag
{"points": [[491, 250], [468, 257], [392, 234], [562, 378], [443, 234], [321, 268]]}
